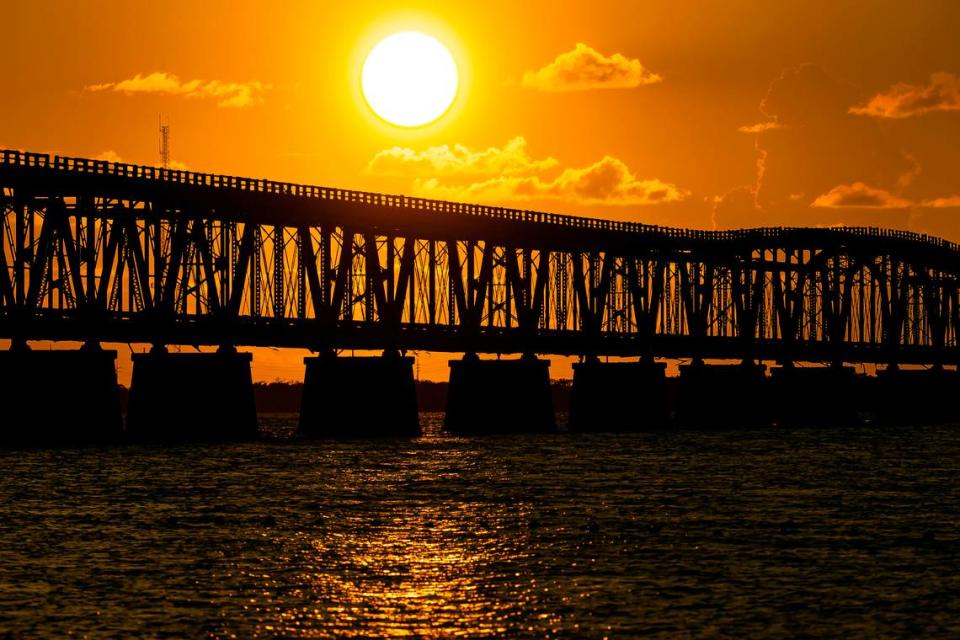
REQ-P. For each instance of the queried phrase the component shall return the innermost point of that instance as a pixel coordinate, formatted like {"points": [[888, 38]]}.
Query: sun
{"points": [[409, 79]]}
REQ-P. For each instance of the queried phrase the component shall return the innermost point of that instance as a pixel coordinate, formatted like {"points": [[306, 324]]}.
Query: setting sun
{"points": [[502, 319], [409, 79]]}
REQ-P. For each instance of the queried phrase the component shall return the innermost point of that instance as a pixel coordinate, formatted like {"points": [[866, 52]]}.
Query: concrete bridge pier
{"points": [[359, 397], [619, 396], [177, 397], [499, 396], [816, 396], [723, 396], [59, 397], [914, 396]]}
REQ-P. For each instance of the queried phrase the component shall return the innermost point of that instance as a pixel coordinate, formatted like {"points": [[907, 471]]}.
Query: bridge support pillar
{"points": [[59, 397], [723, 396], [816, 396], [192, 397], [499, 396], [359, 397], [619, 396], [914, 396]]}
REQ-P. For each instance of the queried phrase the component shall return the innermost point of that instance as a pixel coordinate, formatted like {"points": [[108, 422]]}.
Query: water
{"points": [[787, 533]]}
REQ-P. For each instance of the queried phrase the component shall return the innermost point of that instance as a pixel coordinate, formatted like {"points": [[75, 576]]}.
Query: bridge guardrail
{"points": [[259, 185]]}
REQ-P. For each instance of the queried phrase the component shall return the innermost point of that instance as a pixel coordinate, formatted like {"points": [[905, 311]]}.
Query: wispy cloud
{"points": [[585, 68], [819, 165], [761, 127], [607, 181], [905, 100], [860, 195], [906, 178], [942, 203], [447, 160], [227, 94]]}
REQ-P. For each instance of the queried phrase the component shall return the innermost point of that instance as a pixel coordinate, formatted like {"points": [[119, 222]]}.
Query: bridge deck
{"points": [[45, 165], [117, 252]]}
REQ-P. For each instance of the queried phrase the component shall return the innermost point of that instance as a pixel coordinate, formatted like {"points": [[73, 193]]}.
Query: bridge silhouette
{"points": [[101, 251]]}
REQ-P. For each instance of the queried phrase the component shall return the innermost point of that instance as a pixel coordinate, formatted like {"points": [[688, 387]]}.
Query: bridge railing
{"points": [[143, 172]]}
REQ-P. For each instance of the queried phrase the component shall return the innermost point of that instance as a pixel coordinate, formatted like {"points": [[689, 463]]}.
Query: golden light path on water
{"points": [[427, 570], [752, 533], [428, 582]]}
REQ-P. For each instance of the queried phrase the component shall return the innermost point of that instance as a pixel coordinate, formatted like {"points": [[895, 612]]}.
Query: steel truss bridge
{"points": [[102, 251]]}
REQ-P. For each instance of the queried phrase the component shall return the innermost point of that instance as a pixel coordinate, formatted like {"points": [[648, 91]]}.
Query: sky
{"points": [[696, 114]]}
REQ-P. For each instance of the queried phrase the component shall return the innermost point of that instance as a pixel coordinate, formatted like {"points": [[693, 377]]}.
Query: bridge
{"points": [[101, 251]]}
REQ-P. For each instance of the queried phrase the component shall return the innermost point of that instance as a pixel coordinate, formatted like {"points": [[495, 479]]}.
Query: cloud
{"points": [[904, 100], [607, 181], [826, 166], [510, 174], [227, 94], [860, 195], [761, 127], [912, 173], [585, 68], [110, 156], [942, 203], [805, 95], [737, 209], [819, 146], [176, 165], [444, 160]]}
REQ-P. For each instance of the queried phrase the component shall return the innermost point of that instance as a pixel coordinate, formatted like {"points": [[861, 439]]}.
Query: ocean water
{"points": [[802, 532]]}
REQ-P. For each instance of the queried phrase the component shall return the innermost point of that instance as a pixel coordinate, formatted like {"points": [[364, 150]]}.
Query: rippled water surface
{"points": [[783, 533]]}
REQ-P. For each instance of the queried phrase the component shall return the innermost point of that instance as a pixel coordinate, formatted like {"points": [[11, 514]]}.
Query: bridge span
{"points": [[101, 251]]}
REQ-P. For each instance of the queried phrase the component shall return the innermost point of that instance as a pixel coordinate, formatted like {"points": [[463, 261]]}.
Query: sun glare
{"points": [[409, 79]]}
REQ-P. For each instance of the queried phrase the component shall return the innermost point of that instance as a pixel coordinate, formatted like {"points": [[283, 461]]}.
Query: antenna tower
{"points": [[164, 143]]}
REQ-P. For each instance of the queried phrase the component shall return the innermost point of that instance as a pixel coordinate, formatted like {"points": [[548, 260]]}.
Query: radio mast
{"points": [[164, 142]]}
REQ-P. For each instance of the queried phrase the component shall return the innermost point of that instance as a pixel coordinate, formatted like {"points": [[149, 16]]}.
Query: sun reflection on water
{"points": [[422, 570], [588, 536]]}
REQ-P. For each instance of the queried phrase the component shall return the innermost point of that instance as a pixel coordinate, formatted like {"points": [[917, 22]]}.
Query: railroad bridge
{"points": [[96, 251]]}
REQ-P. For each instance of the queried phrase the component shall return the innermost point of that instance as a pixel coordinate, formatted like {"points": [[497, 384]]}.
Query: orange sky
{"points": [[691, 114]]}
